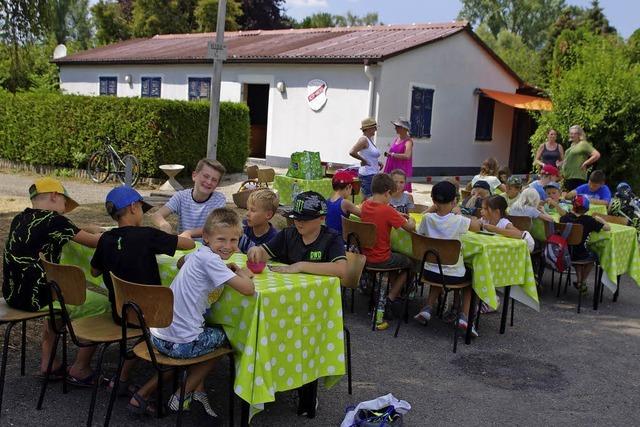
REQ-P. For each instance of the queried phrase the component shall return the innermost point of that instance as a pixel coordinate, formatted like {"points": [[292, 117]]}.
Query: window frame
{"points": [[199, 79], [485, 101], [425, 87], [107, 79], [151, 80]]}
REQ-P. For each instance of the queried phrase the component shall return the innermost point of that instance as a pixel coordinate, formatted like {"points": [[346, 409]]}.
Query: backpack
{"points": [[556, 249]]}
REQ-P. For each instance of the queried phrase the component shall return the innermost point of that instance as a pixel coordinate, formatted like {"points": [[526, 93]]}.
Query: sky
{"points": [[622, 14]]}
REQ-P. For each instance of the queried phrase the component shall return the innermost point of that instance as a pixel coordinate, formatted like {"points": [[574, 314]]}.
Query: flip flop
{"points": [[144, 406], [125, 388], [88, 381]]}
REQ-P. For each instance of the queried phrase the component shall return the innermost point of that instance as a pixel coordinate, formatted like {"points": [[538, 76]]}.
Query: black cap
{"points": [[443, 192], [308, 205], [482, 184]]}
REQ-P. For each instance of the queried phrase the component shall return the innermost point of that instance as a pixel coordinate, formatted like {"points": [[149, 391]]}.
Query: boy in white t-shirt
{"points": [[441, 223], [193, 205], [203, 271]]}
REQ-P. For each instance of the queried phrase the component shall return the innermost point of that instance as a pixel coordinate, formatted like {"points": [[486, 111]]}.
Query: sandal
{"points": [[88, 381], [55, 375], [582, 288], [145, 407], [125, 388]]}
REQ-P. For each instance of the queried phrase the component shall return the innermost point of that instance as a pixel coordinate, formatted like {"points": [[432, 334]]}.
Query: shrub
{"points": [[62, 130]]}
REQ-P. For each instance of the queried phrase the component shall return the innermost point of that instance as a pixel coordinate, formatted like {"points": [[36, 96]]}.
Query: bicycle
{"points": [[106, 161]]}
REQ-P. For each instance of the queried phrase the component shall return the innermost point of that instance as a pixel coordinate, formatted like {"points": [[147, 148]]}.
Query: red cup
{"points": [[256, 267]]}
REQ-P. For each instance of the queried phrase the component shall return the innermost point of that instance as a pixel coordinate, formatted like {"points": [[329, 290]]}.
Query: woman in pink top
{"points": [[400, 152]]}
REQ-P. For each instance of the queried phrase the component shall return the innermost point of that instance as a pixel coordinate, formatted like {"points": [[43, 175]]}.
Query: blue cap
{"points": [[552, 184], [121, 197], [623, 186]]}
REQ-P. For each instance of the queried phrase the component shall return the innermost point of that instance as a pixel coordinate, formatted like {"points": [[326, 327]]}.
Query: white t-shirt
{"points": [[529, 211], [192, 214], [450, 226], [493, 181], [202, 272]]}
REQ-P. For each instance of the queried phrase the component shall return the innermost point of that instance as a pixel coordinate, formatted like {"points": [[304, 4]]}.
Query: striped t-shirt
{"points": [[192, 214]]}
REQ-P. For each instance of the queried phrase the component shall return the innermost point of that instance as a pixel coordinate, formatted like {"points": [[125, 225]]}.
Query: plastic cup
{"points": [[256, 267]]}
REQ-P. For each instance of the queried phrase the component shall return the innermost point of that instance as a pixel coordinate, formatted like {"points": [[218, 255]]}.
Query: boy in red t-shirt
{"points": [[378, 211]]}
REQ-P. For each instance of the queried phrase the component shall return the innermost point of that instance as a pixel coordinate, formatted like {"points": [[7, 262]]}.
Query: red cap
{"points": [[342, 177], [550, 170]]}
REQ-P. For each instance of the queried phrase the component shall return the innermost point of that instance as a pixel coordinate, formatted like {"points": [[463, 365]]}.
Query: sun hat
{"points": [[307, 206], [443, 192], [581, 201], [550, 170], [515, 181], [367, 123], [52, 185], [552, 185], [482, 184], [123, 196], [403, 123], [342, 177]]}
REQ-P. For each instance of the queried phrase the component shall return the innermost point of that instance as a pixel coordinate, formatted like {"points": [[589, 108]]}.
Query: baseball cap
{"points": [[550, 170], [552, 185], [482, 184], [515, 181], [123, 196], [307, 206], [581, 201], [342, 177], [443, 192], [52, 185], [623, 186]]}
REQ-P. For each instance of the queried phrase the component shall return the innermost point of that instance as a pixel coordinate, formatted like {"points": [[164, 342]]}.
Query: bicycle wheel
{"points": [[99, 166], [135, 169]]}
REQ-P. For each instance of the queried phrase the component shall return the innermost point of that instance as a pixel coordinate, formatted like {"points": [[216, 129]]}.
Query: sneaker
{"points": [[463, 325], [424, 316], [382, 326], [202, 398], [174, 402]]}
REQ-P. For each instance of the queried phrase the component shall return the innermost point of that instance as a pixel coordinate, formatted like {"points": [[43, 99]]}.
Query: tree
{"points": [[207, 15], [529, 19], [318, 20], [264, 15], [595, 20], [325, 20], [112, 21], [633, 46], [151, 17], [70, 21]]}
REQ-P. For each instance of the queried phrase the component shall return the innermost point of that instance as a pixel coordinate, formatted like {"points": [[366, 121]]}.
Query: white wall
{"points": [[453, 67]]}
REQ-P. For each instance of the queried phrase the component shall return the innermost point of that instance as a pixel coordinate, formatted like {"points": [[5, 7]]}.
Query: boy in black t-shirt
{"points": [[129, 251], [44, 229], [580, 252], [308, 246]]}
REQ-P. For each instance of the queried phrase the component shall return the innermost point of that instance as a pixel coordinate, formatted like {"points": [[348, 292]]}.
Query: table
{"points": [[288, 334], [285, 185]]}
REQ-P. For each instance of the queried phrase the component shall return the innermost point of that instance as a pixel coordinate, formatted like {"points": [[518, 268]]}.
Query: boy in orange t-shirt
{"points": [[378, 211]]}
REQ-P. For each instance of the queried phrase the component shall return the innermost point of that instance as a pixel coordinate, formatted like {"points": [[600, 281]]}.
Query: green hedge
{"points": [[62, 130]]}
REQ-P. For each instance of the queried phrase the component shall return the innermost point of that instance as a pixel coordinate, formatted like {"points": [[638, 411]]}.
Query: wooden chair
{"points": [[12, 316], [69, 286], [443, 252], [252, 172], [362, 235], [265, 176], [612, 219], [418, 208], [355, 266], [152, 307]]}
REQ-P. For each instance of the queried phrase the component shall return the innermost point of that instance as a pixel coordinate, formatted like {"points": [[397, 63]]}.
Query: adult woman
{"points": [[367, 152], [400, 153], [489, 173], [577, 159], [550, 153]]}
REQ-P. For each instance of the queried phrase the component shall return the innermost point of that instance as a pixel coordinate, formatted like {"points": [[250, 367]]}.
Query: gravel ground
{"points": [[554, 367]]}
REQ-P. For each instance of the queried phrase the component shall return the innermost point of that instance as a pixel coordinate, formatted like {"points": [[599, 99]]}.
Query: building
{"points": [[309, 89]]}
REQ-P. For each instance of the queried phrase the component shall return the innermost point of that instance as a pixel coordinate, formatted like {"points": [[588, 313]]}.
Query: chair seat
{"points": [[440, 285], [382, 269], [142, 352], [101, 328], [584, 262], [10, 314]]}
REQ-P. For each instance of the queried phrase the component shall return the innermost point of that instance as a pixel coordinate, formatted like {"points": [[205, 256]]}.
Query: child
{"points": [[473, 203], [494, 212], [528, 204], [443, 224], [203, 271], [554, 203], [504, 174], [262, 205], [548, 174], [129, 251], [400, 199], [489, 174], [307, 246], [580, 252], [595, 190], [44, 229], [377, 210], [338, 205], [193, 205], [514, 187]]}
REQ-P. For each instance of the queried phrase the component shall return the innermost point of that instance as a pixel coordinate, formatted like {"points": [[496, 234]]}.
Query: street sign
{"points": [[217, 51]]}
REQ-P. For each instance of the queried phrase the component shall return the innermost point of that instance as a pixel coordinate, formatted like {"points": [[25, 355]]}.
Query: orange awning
{"points": [[515, 100]]}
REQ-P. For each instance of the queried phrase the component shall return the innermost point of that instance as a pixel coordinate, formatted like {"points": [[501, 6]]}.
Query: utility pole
{"points": [[217, 51]]}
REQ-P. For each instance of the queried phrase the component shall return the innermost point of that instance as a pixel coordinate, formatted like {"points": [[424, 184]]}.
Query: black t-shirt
{"points": [[32, 232], [130, 253], [589, 224], [287, 247]]}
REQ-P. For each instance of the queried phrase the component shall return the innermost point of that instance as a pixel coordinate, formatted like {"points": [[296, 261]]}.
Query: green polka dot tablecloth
{"points": [[288, 334], [496, 261], [286, 186]]}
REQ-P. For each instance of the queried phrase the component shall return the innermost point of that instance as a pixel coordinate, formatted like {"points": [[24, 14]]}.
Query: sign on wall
{"points": [[316, 94]]}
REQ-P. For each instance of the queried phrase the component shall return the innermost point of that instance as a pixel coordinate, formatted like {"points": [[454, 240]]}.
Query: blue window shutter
{"points": [[421, 107], [108, 86], [155, 89], [199, 88], [144, 83]]}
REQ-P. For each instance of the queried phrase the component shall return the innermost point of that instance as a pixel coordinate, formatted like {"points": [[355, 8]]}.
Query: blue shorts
{"points": [[365, 185], [209, 340]]}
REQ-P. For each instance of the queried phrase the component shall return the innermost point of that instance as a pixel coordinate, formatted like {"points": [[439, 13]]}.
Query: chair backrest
{"points": [[69, 278], [611, 219], [252, 172], [448, 250], [522, 223], [266, 176], [574, 238], [355, 265], [155, 302], [417, 208], [365, 232]]}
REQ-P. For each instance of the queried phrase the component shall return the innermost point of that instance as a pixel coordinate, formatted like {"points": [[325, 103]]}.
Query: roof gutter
{"points": [[369, 72]]}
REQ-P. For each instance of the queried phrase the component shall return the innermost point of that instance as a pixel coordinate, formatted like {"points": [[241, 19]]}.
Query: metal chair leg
{"points": [[553, 278], [116, 384], [5, 355], [353, 299], [505, 308], [513, 304], [160, 406], [470, 317], [183, 385], [23, 347], [232, 379], [617, 292], [94, 394], [52, 356], [455, 330], [65, 387], [347, 337]]}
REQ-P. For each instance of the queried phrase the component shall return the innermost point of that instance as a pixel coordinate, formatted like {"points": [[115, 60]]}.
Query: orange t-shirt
{"points": [[384, 217]]}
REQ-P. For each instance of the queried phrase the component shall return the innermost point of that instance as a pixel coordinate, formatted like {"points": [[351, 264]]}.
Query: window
{"points": [[199, 88], [151, 87], [421, 106], [484, 124], [108, 86]]}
